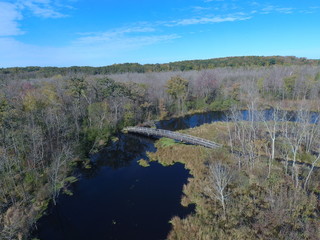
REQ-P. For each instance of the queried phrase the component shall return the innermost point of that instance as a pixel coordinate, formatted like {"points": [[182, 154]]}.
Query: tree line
{"points": [[189, 65]]}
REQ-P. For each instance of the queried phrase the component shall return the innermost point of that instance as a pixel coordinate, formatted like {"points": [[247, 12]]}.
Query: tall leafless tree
{"points": [[220, 176]]}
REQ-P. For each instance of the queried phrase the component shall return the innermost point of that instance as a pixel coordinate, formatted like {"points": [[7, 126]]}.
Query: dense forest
{"points": [[51, 119]]}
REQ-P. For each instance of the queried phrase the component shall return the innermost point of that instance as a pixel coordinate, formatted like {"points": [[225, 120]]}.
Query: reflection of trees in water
{"points": [[190, 121], [120, 154]]}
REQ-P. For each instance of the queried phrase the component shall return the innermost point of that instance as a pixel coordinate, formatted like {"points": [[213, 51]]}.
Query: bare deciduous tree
{"points": [[58, 164], [271, 122], [220, 176], [294, 132], [316, 159]]}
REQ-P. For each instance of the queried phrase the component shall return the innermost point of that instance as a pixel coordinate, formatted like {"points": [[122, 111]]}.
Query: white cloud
{"points": [[43, 8], [213, 1], [206, 20], [272, 9], [12, 12], [123, 38], [95, 37], [9, 17], [200, 9]]}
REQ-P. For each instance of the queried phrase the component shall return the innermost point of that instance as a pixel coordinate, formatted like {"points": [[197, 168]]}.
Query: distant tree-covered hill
{"points": [[245, 61]]}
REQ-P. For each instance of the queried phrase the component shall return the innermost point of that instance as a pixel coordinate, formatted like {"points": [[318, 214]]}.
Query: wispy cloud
{"points": [[119, 31], [11, 13], [273, 9], [200, 8], [206, 20], [9, 17], [122, 38], [250, 7], [116, 34], [43, 8], [206, 1]]}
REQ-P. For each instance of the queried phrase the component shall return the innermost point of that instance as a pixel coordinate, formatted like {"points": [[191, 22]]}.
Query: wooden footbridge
{"points": [[173, 135]]}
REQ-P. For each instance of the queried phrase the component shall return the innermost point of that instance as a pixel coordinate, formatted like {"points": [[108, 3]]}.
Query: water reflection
{"points": [[127, 148], [117, 198], [191, 121]]}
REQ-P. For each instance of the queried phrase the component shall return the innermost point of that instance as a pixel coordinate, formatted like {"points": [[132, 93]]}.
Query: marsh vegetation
{"points": [[250, 200]]}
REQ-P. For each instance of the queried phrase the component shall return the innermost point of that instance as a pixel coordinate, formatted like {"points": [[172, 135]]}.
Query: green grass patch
{"points": [[143, 163], [167, 142]]}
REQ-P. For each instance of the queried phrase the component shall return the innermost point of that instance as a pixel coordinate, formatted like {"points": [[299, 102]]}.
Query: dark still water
{"points": [[119, 199], [191, 121]]}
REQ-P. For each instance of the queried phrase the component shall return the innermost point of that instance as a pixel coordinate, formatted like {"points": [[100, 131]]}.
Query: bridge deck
{"points": [[173, 135]]}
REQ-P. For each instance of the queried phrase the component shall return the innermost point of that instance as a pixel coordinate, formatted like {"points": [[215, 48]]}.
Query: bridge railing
{"points": [[174, 135]]}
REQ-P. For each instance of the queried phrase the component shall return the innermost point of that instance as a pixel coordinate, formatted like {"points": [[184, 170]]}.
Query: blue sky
{"points": [[99, 33]]}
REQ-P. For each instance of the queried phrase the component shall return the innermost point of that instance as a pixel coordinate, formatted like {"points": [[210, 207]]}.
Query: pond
{"points": [[119, 199]]}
